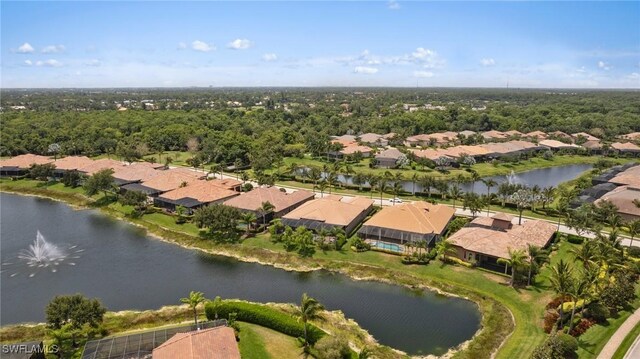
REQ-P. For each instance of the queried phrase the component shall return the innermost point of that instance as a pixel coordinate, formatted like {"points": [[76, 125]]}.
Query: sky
{"points": [[320, 43]]}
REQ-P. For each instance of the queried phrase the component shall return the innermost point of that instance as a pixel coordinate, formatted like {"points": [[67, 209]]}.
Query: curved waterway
{"points": [[117, 263]]}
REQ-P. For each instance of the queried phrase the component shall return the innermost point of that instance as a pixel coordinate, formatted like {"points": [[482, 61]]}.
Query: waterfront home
{"points": [[165, 181], [458, 151], [555, 145], [409, 222], [559, 135], [212, 343], [595, 147], [623, 197], [626, 147], [634, 136], [282, 202], [99, 165], [514, 133], [467, 133], [349, 148], [71, 163], [486, 239], [627, 176], [19, 165], [433, 139], [428, 153], [194, 195], [330, 212], [133, 173], [509, 148], [388, 158]]}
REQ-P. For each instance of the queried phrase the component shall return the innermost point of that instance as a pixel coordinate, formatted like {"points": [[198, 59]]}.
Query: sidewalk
{"points": [[617, 338]]}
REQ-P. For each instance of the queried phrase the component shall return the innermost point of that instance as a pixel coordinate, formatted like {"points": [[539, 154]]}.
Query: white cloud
{"points": [[603, 65], [582, 70], [202, 46], [269, 57], [49, 63], [365, 70], [634, 76], [52, 49], [25, 48], [239, 44], [28, 62], [182, 46], [488, 62], [423, 74], [93, 62], [393, 5]]}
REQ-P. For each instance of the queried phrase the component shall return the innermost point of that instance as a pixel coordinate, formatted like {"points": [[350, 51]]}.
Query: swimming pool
{"points": [[387, 246]]}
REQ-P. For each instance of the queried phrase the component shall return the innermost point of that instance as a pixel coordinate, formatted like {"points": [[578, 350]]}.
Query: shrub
{"points": [[634, 252], [333, 348], [597, 311], [265, 316], [572, 238], [454, 260], [582, 326], [456, 224], [567, 343], [555, 303], [550, 320]]}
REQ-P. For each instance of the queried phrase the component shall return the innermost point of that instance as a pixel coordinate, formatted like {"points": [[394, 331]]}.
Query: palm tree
{"points": [[414, 178], [516, 260], [373, 183], [397, 189], [310, 309], [248, 218], [194, 299], [455, 192], [537, 256], [382, 186], [634, 229], [475, 177], [578, 290], [265, 209], [322, 186], [315, 175], [585, 254], [443, 248], [561, 283], [332, 180], [358, 179], [216, 168], [489, 183], [292, 169], [427, 182], [548, 195]]}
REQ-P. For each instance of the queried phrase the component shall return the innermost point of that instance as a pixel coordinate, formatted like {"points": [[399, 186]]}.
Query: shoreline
{"points": [[405, 280]]}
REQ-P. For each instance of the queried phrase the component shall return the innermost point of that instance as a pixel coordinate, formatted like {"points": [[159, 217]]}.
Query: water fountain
{"points": [[44, 255], [512, 178]]}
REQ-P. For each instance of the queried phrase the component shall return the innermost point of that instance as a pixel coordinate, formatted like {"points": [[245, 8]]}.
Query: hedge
{"points": [[264, 316], [572, 238]]}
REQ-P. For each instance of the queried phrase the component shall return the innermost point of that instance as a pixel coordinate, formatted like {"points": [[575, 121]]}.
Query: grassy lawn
{"points": [[627, 342], [527, 305], [260, 342]]}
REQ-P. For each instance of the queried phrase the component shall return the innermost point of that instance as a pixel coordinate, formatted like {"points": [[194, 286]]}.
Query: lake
{"points": [[126, 269]]}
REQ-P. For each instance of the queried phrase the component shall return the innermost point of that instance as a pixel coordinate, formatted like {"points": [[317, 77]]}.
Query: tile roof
{"points": [[70, 163], [625, 146], [630, 176], [25, 161], [100, 164], [392, 153], [253, 199], [370, 137], [559, 134], [416, 217], [172, 178], [585, 135], [623, 198], [631, 136], [353, 148], [467, 133], [536, 134], [212, 343], [514, 133], [203, 191], [479, 236], [557, 144], [135, 172], [428, 153], [332, 210], [493, 134], [592, 144]]}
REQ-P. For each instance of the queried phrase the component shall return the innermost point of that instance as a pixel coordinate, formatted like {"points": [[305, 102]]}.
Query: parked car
{"points": [[395, 200]]}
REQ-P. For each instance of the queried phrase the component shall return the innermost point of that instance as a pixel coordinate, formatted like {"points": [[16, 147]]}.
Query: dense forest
{"points": [[254, 125]]}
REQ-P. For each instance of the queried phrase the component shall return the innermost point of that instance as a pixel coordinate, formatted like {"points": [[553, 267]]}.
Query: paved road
{"points": [[617, 338]]}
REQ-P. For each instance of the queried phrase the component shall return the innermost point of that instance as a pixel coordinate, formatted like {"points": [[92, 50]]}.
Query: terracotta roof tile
{"points": [[171, 179], [213, 343], [331, 210], [253, 199], [416, 217], [70, 163], [99, 165], [25, 161], [202, 191]]}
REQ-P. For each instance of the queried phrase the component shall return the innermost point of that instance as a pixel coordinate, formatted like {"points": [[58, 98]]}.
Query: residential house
{"points": [[467, 133], [494, 135], [70, 163], [634, 136], [558, 135], [133, 173], [282, 202], [388, 158], [409, 222], [594, 147], [487, 239], [165, 181], [213, 343], [536, 135], [514, 133], [19, 165], [626, 148], [585, 136], [330, 212], [629, 176], [373, 139], [194, 195], [101, 164], [555, 145], [623, 197]]}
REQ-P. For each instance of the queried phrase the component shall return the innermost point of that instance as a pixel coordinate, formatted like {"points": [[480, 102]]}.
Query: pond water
{"points": [[543, 177], [117, 263]]}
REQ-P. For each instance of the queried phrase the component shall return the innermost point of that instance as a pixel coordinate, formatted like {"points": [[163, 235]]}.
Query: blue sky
{"points": [[461, 44]]}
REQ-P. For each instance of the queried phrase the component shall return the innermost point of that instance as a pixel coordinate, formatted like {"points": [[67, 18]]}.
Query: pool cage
{"points": [[394, 235], [139, 345]]}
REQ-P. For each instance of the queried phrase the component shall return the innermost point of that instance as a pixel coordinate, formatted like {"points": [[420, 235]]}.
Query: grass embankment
{"points": [[496, 300], [627, 342]]}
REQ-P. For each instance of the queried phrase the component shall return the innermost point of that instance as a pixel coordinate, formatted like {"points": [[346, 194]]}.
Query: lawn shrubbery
{"points": [[264, 316], [572, 238]]}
